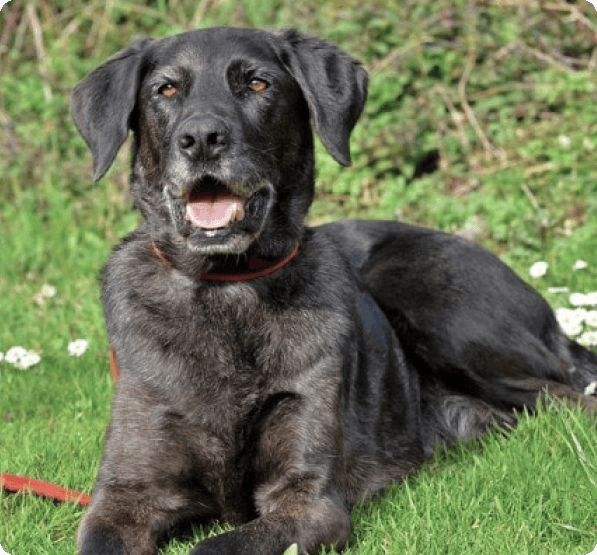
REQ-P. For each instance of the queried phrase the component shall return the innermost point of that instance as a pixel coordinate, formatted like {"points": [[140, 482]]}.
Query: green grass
{"points": [[528, 193], [506, 495]]}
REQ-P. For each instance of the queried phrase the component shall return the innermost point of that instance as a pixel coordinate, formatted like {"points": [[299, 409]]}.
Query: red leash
{"points": [[14, 484]]}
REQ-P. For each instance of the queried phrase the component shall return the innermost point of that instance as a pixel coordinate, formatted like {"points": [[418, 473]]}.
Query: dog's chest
{"points": [[218, 347], [217, 361], [229, 330]]}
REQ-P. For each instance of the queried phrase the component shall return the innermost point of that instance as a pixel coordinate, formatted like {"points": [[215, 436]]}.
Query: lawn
{"points": [[481, 120]]}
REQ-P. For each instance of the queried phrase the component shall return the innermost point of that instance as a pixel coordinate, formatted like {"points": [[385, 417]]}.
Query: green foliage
{"points": [[462, 93]]}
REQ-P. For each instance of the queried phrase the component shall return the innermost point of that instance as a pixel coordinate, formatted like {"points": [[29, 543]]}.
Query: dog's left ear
{"points": [[333, 84]]}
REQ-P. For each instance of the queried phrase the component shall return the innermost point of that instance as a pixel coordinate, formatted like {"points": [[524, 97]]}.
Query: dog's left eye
{"points": [[258, 85]]}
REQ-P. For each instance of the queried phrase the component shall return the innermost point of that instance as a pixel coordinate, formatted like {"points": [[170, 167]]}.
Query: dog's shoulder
{"points": [[132, 262], [326, 266]]}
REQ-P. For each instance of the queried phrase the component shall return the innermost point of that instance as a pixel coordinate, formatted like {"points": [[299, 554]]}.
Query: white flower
{"points": [[78, 347], [15, 354], [579, 265], [591, 318], [587, 143], [579, 299], [46, 292], [558, 290], [538, 269], [582, 299], [588, 339], [458, 117], [31, 359], [590, 390], [564, 141], [22, 358], [571, 320]]}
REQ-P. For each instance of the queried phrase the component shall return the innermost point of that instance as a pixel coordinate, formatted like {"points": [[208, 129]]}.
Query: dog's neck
{"points": [[256, 267]]}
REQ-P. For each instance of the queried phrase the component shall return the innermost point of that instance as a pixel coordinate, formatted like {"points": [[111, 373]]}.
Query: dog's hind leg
{"points": [[450, 417], [545, 390], [467, 321], [584, 369]]}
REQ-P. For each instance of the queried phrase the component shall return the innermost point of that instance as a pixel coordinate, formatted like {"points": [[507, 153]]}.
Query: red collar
{"points": [[258, 268]]}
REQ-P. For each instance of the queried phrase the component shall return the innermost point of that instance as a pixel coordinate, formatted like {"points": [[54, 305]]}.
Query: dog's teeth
{"points": [[211, 232], [239, 213]]}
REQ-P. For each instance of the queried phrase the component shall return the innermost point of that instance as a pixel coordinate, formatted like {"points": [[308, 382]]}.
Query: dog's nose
{"points": [[203, 139]]}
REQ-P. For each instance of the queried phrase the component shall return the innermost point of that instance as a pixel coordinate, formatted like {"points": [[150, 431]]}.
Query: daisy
{"points": [[46, 292], [571, 320], [564, 141], [591, 318], [579, 299], [558, 290], [538, 269], [78, 347], [588, 339], [22, 358]]}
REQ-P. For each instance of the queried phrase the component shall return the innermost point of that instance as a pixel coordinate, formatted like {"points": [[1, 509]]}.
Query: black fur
{"points": [[276, 403]]}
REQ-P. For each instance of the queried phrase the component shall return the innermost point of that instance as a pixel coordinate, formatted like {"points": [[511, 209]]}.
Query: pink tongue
{"points": [[210, 211]]}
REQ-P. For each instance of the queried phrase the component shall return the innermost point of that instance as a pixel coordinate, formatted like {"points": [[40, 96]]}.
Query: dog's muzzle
{"points": [[214, 216]]}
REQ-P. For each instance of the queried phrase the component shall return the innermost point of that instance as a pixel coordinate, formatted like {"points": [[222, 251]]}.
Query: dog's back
{"points": [[471, 325]]}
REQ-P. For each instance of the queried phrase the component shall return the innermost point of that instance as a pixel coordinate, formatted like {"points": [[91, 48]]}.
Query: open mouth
{"points": [[212, 206], [217, 216]]}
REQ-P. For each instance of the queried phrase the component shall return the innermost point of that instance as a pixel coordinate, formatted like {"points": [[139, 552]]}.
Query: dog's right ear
{"points": [[102, 103]]}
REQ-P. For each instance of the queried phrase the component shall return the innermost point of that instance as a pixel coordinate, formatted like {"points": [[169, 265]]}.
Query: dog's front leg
{"points": [[296, 471], [143, 486]]}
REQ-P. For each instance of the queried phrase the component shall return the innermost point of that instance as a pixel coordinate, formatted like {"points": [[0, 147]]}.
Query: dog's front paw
{"points": [[98, 542], [234, 543], [226, 544]]}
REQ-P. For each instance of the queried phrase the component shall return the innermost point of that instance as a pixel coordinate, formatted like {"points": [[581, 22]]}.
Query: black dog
{"points": [[273, 374]]}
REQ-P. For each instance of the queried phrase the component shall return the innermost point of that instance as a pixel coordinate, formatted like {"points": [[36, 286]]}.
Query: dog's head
{"points": [[222, 153]]}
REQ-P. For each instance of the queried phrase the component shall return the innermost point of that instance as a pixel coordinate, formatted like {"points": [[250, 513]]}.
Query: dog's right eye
{"points": [[258, 85], [169, 90]]}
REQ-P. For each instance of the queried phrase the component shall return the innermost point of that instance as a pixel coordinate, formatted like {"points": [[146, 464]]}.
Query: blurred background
{"points": [[481, 116]]}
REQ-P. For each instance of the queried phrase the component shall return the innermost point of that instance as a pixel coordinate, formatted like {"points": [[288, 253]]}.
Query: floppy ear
{"points": [[333, 84], [102, 103]]}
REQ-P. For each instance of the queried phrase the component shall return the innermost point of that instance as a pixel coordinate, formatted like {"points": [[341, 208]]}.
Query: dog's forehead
{"points": [[208, 48]]}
